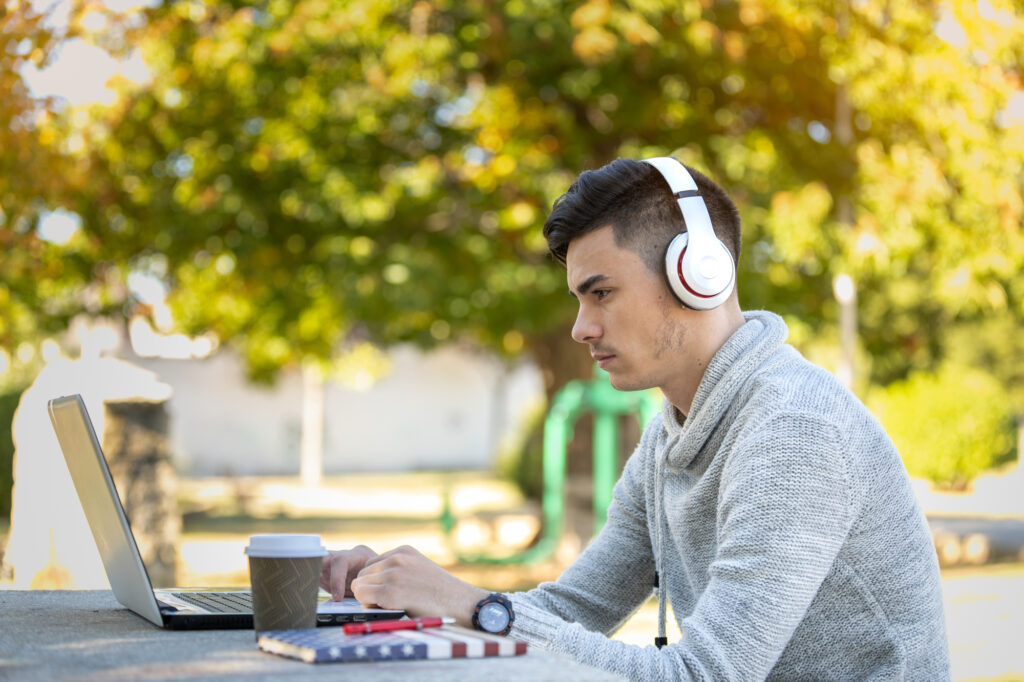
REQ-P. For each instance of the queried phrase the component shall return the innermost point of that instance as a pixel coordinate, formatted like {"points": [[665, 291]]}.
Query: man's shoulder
{"points": [[789, 386], [793, 401]]}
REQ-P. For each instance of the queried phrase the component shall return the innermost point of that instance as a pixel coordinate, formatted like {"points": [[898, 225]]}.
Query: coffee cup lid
{"points": [[285, 545]]}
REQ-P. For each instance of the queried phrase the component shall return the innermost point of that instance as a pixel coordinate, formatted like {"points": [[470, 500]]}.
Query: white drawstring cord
{"points": [[661, 640]]}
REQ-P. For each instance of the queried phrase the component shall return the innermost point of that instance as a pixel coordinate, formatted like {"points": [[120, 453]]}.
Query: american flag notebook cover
{"points": [[332, 645]]}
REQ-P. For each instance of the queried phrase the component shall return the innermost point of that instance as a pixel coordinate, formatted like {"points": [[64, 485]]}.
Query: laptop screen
{"points": [[102, 507]]}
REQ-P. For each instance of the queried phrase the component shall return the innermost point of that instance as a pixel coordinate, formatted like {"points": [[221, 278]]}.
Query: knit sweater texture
{"points": [[783, 529]]}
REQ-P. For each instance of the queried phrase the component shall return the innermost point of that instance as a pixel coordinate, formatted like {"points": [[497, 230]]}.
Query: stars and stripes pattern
{"points": [[329, 645]]}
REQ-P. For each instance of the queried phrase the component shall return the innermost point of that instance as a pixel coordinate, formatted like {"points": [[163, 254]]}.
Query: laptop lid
{"points": [[102, 506]]}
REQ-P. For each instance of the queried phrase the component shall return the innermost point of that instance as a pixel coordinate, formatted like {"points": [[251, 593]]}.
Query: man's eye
{"points": [[601, 293]]}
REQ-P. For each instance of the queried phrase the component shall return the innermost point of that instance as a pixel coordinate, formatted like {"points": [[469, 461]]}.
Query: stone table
{"points": [[85, 636]]}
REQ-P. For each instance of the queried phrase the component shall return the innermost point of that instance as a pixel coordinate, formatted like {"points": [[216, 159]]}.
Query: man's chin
{"points": [[624, 383]]}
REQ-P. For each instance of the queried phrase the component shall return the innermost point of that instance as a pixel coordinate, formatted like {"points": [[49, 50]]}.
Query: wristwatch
{"points": [[494, 614]]}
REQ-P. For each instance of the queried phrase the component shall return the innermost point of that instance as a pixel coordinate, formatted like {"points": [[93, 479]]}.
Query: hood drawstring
{"points": [[661, 640]]}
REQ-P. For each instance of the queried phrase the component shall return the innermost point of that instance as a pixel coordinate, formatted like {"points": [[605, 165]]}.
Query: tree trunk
{"points": [[562, 360], [137, 448]]}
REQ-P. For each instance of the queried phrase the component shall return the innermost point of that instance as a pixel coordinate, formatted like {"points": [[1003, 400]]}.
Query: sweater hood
{"points": [[730, 368]]}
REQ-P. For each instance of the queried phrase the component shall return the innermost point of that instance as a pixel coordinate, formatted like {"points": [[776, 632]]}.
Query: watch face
{"points": [[493, 617]]}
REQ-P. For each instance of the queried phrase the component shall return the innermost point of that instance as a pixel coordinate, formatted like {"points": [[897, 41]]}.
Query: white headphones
{"points": [[698, 266]]}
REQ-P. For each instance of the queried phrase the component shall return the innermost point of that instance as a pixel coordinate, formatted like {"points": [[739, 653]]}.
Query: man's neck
{"points": [[715, 331]]}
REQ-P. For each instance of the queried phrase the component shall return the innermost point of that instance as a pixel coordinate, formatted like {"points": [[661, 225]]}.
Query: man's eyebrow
{"points": [[588, 284]]}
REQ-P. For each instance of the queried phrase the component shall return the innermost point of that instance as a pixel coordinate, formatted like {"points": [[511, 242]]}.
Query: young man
{"points": [[766, 504]]}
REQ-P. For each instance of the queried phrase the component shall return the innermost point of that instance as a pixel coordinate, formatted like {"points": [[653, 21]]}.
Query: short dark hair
{"points": [[635, 200]]}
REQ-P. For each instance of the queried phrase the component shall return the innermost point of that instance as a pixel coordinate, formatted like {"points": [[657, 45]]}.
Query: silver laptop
{"points": [[121, 559]]}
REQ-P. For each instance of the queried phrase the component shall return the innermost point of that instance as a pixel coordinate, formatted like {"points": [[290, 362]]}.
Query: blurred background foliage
{"points": [[918, 409], [307, 176]]}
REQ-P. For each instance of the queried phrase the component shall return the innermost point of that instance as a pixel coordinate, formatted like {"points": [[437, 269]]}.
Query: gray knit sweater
{"points": [[783, 528]]}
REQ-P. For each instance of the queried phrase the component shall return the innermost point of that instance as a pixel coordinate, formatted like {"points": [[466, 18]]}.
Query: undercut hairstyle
{"points": [[636, 201]]}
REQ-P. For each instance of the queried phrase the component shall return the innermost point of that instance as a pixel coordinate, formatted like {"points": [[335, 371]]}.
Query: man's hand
{"points": [[340, 568], [405, 579]]}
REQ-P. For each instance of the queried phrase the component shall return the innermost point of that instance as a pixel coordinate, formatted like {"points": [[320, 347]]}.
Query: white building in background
{"points": [[443, 409]]}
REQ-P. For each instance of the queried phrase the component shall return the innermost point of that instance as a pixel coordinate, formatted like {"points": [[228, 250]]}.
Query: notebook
{"points": [[173, 609], [334, 646]]}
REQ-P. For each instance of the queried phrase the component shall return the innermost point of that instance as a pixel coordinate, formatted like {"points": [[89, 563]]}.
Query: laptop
{"points": [[172, 609]]}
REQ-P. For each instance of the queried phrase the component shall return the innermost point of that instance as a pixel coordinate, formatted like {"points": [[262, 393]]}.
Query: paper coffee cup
{"points": [[284, 570]]}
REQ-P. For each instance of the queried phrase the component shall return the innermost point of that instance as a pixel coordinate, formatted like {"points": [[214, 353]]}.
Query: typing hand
{"points": [[340, 568], [405, 579]]}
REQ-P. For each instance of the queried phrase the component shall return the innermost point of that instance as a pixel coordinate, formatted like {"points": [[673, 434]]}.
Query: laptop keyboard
{"points": [[219, 602]]}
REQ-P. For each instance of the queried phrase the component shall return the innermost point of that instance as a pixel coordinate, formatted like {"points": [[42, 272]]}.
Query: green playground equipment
{"points": [[575, 399]]}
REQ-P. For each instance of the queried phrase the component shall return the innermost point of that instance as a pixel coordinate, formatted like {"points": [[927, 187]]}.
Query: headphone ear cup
{"points": [[673, 271], [703, 279]]}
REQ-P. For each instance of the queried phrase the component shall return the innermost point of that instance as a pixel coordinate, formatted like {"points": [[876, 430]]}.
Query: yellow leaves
{"points": [[180, 74], [595, 20], [591, 13], [520, 215], [396, 274], [955, 282], [734, 45], [513, 342], [361, 366], [336, 186], [504, 165], [498, 114], [279, 8], [1009, 202], [47, 136], [702, 35], [904, 181], [376, 77], [637, 31], [753, 12], [796, 223], [311, 321], [241, 77], [362, 247], [594, 45], [418, 18], [490, 139], [418, 180], [376, 208], [995, 295], [763, 156]]}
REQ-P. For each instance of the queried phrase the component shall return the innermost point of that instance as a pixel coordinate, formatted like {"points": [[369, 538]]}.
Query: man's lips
{"points": [[600, 357]]}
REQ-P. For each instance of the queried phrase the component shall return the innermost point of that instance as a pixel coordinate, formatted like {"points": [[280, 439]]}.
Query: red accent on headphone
{"points": [[682, 278]]}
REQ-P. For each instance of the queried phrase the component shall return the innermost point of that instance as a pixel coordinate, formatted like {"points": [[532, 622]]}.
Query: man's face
{"points": [[629, 318]]}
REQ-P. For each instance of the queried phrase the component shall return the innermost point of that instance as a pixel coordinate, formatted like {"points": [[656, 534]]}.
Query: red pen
{"points": [[389, 625]]}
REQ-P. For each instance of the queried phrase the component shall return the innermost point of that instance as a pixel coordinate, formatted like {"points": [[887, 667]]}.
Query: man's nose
{"points": [[586, 329]]}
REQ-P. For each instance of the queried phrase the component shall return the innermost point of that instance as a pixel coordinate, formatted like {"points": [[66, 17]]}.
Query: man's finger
{"points": [[337, 576], [369, 593], [397, 551], [379, 558], [380, 563]]}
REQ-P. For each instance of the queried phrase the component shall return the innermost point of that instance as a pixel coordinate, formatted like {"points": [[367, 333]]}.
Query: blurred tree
{"points": [[937, 242], [949, 426], [307, 173], [39, 281]]}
